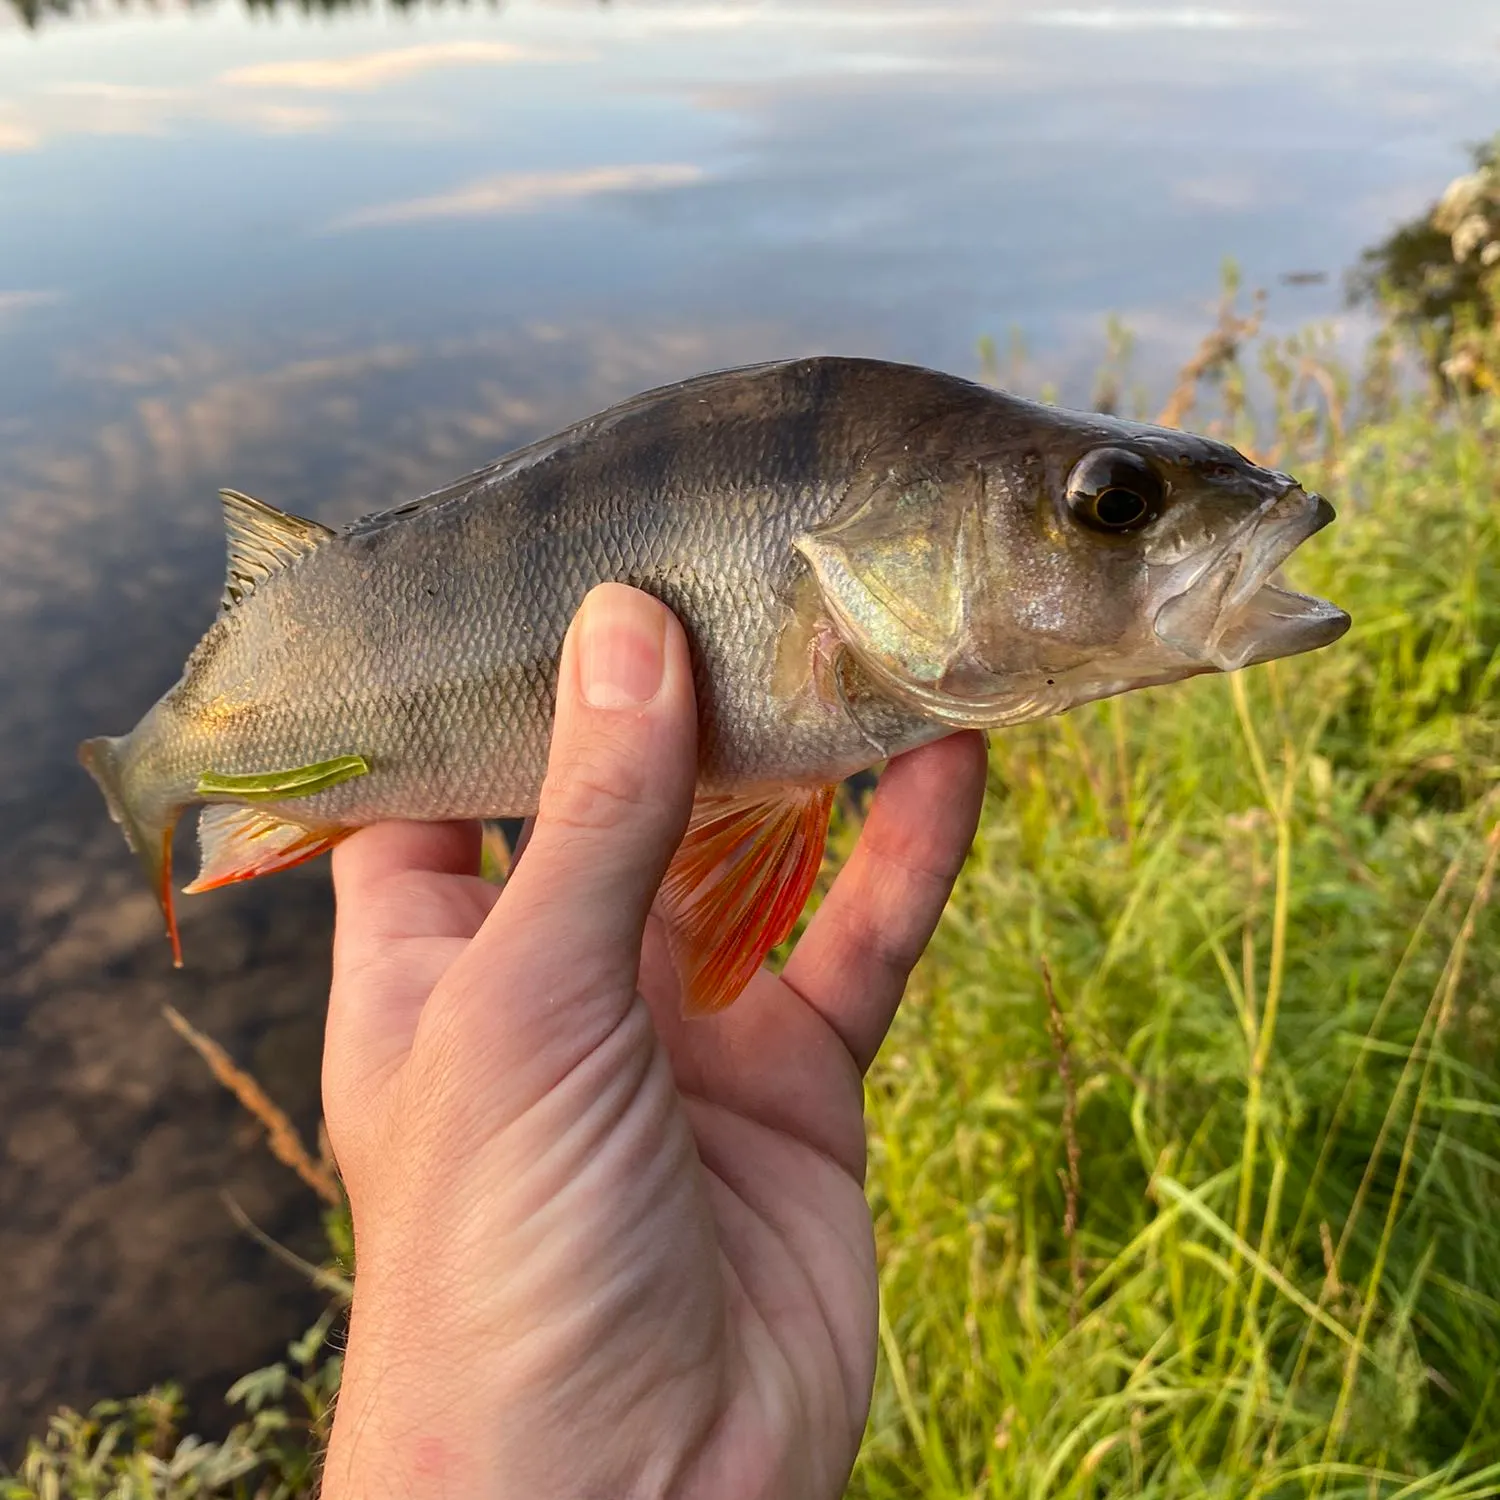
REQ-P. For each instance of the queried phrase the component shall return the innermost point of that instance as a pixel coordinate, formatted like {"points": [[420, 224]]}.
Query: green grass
{"points": [[1267, 1090], [1264, 903]]}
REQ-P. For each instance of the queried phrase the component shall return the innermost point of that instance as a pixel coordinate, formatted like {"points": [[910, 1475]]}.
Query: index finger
{"points": [[853, 961], [399, 880]]}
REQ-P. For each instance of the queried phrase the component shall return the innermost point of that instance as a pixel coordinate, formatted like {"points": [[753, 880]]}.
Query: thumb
{"points": [[553, 969]]}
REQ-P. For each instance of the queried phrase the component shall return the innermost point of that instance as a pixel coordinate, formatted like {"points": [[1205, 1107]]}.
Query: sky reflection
{"points": [[897, 177]]}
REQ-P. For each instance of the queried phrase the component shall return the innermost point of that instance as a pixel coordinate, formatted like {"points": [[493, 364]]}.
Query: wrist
{"points": [[429, 1412], [409, 1420]]}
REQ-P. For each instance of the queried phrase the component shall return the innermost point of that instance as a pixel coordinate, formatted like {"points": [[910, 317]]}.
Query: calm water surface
{"points": [[338, 258]]}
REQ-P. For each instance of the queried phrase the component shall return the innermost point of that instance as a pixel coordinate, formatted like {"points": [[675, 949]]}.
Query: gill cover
{"points": [[903, 573]]}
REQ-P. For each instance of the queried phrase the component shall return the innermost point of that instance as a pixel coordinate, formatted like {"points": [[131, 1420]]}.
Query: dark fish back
{"points": [[799, 426]]}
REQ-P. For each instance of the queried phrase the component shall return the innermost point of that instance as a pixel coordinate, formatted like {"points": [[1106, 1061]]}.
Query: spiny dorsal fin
{"points": [[262, 540]]}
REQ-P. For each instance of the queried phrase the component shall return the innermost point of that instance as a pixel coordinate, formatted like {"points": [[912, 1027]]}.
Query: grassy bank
{"points": [[1266, 1090], [1186, 1146]]}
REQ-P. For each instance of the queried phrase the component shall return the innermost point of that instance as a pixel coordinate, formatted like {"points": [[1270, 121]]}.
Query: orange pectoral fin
{"points": [[239, 843], [737, 885]]}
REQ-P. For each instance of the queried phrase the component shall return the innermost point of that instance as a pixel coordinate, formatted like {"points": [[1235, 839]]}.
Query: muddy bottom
{"points": [[121, 1261]]}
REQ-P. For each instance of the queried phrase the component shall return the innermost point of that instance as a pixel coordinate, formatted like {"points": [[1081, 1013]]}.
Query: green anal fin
{"points": [[282, 786]]}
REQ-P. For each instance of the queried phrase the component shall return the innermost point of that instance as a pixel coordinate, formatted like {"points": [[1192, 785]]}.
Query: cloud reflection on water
{"points": [[522, 192], [376, 70], [19, 301], [92, 108], [1175, 18]]}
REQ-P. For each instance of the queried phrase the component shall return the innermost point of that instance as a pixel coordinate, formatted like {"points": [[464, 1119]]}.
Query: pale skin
{"points": [[605, 1253]]}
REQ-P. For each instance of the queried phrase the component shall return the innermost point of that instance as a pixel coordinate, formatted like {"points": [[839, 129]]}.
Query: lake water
{"points": [[337, 257]]}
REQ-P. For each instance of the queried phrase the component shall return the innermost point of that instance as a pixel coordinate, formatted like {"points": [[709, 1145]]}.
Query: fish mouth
{"points": [[1238, 613]]}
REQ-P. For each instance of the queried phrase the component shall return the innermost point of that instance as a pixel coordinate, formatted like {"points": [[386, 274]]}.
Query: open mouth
{"points": [[1237, 613], [1277, 622], [1262, 619]]}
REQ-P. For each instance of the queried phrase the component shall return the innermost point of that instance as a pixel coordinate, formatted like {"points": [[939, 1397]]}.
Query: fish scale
{"points": [[864, 556]]}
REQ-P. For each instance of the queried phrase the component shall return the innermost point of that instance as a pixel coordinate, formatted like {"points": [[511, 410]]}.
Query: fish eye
{"points": [[1112, 489], [1119, 509]]}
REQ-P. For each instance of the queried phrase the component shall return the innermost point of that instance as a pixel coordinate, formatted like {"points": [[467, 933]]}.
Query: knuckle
{"points": [[599, 790], [889, 949]]}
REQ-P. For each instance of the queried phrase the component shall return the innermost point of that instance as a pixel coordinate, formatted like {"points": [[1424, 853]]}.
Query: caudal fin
{"points": [[149, 835]]}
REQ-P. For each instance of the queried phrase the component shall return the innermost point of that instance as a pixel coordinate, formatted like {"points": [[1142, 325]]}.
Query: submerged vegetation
{"points": [[1186, 1145]]}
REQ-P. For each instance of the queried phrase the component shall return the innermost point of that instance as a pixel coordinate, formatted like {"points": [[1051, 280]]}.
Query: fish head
{"points": [[1093, 557]]}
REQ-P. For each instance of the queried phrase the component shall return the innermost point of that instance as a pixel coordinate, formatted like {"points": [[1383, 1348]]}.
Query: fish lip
{"points": [[1261, 619], [1279, 622]]}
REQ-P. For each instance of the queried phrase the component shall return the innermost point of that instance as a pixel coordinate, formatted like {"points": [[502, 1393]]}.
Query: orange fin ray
{"points": [[239, 843], [737, 885], [164, 897]]}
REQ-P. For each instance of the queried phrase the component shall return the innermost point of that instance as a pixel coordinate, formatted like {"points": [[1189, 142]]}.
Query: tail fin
{"points": [[150, 837]]}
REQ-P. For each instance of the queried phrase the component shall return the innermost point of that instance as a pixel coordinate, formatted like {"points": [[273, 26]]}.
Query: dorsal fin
{"points": [[262, 540]]}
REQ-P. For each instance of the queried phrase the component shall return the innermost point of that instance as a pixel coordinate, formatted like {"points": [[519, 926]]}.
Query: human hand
{"points": [[604, 1251]]}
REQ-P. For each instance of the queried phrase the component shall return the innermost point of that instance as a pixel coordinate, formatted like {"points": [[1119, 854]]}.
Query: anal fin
{"points": [[737, 885], [239, 843]]}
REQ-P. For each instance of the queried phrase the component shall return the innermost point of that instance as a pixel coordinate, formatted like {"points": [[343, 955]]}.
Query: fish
{"points": [[865, 556]]}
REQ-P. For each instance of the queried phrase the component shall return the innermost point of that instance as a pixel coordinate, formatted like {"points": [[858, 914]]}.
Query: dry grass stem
{"points": [[281, 1135], [1071, 1177]]}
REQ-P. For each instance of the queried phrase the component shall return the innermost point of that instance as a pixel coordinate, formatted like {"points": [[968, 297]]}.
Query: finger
{"points": [[408, 899], [769, 1058], [523, 838], [853, 961], [376, 869], [555, 964]]}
